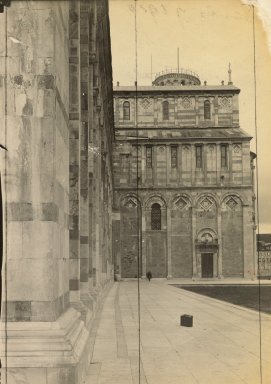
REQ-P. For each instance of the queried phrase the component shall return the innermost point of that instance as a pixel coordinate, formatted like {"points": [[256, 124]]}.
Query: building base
{"points": [[56, 352], [40, 351]]}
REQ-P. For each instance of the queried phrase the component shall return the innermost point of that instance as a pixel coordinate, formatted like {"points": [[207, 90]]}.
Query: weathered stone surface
{"points": [[74, 284], [50, 212], [58, 217], [20, 211], [45, 81]]}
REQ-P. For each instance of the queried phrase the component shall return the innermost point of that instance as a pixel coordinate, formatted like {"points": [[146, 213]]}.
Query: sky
{"points": [[209, 35]]}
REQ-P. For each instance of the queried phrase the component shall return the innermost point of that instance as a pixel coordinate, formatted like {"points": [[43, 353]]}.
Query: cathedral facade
{"points": [[183, 181]]}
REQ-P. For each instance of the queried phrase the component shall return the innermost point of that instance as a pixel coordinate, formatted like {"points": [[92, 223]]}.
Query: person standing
{"points": [[149, 275]]}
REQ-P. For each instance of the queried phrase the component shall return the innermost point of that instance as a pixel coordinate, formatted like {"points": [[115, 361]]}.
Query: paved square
{"points": [[222, 347]]}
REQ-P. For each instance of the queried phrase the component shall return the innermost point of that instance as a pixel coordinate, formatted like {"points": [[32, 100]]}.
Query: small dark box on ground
{"points": [[186, 321]]}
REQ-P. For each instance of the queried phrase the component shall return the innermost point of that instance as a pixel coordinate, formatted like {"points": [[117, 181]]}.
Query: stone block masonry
{"points": [[57, 184], [193, 162]]}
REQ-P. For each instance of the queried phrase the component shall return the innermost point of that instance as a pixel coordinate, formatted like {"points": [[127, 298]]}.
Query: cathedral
{"points": [[183, 180], [99, 183]]}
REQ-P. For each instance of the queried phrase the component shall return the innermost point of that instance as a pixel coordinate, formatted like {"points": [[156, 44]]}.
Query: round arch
{"points": [[155, 198], [130, 200], [206, 235], [231, 194]]}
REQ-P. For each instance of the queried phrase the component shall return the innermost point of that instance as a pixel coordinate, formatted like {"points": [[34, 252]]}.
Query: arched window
{"points": [[165, 110], [156, 217], [126, 110], [207, 110]]}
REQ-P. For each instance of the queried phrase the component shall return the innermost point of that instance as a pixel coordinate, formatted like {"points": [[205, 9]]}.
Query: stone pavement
{"points": [[221, 348]]}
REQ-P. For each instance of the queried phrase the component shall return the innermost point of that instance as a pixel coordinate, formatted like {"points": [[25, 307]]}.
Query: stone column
{"points": [[216, 110], [180, 164], [155, 111], [193, 164], [98, 203], [215, 258], [197, 110], [230, 163], [116, 110], [194, 255], [91, 144], [116, 248], [176, 120], [220, 246], [205, 162], [154, 164], [169, 264], [168, 164], [84, 137], [35, 129], [142, 153], [74, 151], [144, 243], [248, 248], [218, 165]]}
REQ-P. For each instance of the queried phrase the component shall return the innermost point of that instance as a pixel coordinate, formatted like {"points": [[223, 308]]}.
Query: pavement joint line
{"points": [[142, 367], [218, 358], [208, 313], [218, 349], [211, 353], [120, 335], [178, 354], [206, 299]]}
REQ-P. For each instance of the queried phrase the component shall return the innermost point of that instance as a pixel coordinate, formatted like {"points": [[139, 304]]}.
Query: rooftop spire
{"points": [[229, 72]]}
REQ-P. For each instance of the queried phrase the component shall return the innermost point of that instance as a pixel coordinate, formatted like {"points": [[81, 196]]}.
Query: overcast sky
{"points": [[209, 35]]}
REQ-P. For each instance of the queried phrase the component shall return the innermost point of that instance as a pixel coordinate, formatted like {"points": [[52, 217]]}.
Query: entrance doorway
{"points": [[207, 265]]}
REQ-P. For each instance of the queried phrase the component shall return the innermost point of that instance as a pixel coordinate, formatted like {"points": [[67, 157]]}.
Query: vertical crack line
{"points": [[257, 187], [5, 195], [138, 205]]}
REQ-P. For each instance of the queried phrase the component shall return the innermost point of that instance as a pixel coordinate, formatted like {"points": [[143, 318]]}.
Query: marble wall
{"points": [[56, 108]]}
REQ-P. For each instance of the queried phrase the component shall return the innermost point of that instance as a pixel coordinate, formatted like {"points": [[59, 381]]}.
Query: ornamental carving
{"points": [[206, 203], [146, 103], [186, 103], [181, 203], [225, 102], [237, 148], [206, 237], [232, 203], [130, 202]]}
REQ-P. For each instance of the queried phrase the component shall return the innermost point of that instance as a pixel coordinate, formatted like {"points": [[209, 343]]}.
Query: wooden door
{"points": [[207, 265]]}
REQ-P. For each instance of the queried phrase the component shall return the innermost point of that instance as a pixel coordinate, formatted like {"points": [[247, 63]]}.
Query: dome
{"points": [[176, 77]]}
